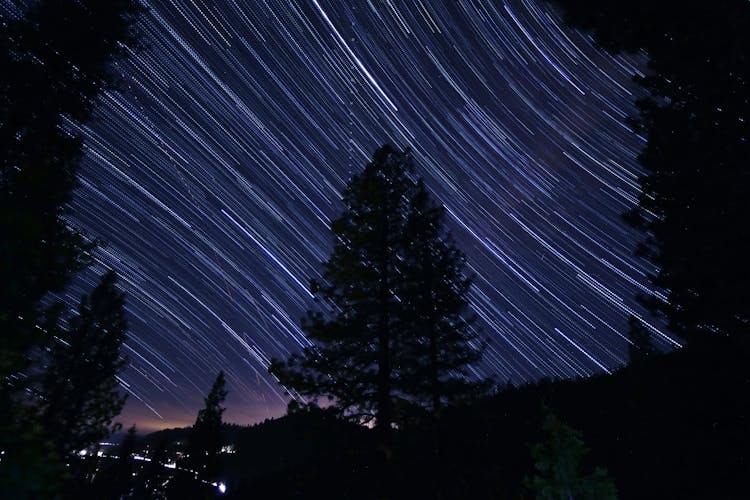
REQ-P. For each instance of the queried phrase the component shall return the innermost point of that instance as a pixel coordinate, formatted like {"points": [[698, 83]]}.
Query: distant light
{"points": [[82, 453], [222, 488], [171, 465]]}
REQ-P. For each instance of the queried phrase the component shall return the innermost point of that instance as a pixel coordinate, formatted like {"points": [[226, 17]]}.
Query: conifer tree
{"points": [[55, 60], [440, 344], [693, 206], [204, 440], [558, 471], [80, 393], [55, 57], [357, 335], [390, 328]]}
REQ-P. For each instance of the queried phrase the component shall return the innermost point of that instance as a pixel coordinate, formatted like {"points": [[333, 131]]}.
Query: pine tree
{"points": [[391, 332], [441, 343], [557, 466], [55, 57], [355, 359], [80, 393], [693, 204], [55, 60], [204, 440], [115, 480]]}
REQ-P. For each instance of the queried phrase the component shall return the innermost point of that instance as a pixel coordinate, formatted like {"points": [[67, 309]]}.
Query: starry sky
{"points": [[214, 171]]}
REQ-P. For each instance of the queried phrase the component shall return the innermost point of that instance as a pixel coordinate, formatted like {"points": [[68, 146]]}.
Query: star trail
{"points": [[214, 171]]}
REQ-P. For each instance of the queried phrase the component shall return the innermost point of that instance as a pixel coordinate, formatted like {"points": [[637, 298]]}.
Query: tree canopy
{"points": [[558, 466], [80, 393], [390, 330], [56, 58], [693, 206]]}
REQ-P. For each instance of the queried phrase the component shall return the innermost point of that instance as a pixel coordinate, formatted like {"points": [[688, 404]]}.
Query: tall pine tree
{"points": [[392, 296], [80, 393], [355, 358], [441, 343], [55, 60]]}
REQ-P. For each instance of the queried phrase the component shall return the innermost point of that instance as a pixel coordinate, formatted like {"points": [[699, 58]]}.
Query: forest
{"points": [[383, 401]]}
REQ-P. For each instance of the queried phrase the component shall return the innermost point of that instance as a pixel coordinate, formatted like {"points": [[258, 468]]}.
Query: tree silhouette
{"points": [[440, 343], [55, 60], [693, 206], [204, 440], [55, 57], [355, 359], [557, 466], [80, 393], [392, 291]]}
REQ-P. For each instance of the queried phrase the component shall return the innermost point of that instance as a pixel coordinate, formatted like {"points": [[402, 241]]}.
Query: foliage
{"points": [[392, 295], [204, 440], [693, 207], [55, 57], [34, 470], [56, 60], [440, 343], [80, 393], [557, 466]]}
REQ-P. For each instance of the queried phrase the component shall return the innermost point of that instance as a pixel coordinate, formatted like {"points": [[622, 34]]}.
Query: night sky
{"points": [[214, 172]]}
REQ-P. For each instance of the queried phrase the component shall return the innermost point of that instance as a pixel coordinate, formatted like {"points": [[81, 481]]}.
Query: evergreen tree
{"points": [[55, 58], [204, 440], [693, 206], [440, 344], [355, 361], [557, 466], [391, 332], [640, 341], [80, 393]]}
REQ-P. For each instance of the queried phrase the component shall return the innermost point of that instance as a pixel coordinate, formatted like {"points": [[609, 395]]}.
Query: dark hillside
{"points": [[673, 426]]}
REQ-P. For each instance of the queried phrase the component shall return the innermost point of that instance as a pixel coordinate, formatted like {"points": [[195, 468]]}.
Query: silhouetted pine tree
{"points": [[356, 357], [440, 343], [55, 59], [204, 440], [391, 333], [693, 206], [80, 393]]}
